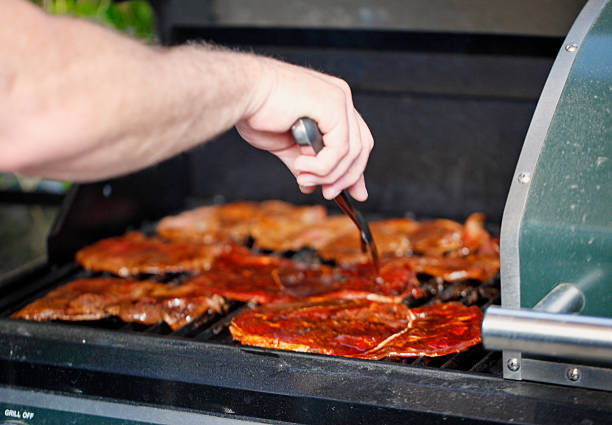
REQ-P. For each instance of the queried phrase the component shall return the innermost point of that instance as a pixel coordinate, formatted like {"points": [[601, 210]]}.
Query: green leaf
{"points": [[133, 17]]}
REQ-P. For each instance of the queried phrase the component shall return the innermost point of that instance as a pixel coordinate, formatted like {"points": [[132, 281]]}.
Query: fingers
{"points": [[287, 155], [299, 92], [280, 144], [358, 191], [345, 175], [337, 156], [307, 189], [353, 178]]}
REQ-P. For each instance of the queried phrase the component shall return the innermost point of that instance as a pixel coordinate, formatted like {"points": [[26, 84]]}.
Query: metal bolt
{"points": [[524, 177], [514, 364], [573, 374], [572, 47]]}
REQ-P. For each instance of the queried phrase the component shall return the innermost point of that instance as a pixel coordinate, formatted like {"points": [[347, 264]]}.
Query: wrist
{"points": [[261, 78]]}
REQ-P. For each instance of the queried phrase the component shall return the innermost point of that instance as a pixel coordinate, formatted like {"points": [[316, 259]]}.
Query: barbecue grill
{"points": [[449, 104]]}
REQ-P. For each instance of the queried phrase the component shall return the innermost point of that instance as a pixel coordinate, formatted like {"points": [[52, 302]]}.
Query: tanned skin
{"points": [[81, 102]]}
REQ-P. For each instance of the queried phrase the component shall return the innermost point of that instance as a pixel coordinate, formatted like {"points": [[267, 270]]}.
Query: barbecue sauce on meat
{"points": [[134, 253], [360, 328], [242, 276], [235, 222], [348, 310], [145, 302]]}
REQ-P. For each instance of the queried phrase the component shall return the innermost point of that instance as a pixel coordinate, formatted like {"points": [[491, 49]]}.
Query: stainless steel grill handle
{"points": [[548, 330]]}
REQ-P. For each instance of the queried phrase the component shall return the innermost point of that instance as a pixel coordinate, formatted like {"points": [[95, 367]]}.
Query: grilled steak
{"points": [[280, 235], [133, 301], [479, 267], [436, 239], [391, 237], [360, 328], [134, 253], [234, 222], [243, 276]]}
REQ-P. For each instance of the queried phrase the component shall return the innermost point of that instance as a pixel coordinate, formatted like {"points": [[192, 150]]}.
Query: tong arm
{"points": [[306, 133]]}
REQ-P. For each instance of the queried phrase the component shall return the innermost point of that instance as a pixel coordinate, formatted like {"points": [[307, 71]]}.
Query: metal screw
{"points": [[107, 189], [514, 364], [572, 47], [573, 374], [524, 177]]}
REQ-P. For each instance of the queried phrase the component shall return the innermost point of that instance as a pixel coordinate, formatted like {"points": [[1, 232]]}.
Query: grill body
{"points": [[449, 109]]}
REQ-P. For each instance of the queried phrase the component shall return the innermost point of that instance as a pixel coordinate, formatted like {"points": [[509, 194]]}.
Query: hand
{"points": [[287, 92]]}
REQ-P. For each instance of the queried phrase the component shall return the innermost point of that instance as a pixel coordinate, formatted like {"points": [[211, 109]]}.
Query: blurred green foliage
{"points": [[133, 17]]}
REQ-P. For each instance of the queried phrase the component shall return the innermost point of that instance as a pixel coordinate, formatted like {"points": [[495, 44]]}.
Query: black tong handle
{"points": [[306, 133]]}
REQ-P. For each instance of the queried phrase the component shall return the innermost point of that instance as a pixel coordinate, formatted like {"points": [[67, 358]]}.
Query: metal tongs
{"points": [[306, 133]]}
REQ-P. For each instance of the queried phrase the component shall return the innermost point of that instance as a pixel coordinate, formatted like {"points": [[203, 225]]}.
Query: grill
{"points": [[447, 93], [213, 328]]}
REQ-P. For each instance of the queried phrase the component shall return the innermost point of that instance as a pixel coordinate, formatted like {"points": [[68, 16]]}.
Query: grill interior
{"points": [[213, 328]]}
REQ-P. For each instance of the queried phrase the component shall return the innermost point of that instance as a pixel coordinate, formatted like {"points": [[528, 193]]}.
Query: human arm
{"points": [[81, 102]]}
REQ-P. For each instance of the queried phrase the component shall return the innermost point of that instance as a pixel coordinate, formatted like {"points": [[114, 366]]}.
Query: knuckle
{"points": [[338, 96], [352, 178], [324, 167], [356, 151], [345, 149], [368, 143], [328, 167], [344, 86]]}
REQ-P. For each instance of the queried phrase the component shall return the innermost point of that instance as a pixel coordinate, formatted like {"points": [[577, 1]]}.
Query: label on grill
{"points": [[18, 414]]}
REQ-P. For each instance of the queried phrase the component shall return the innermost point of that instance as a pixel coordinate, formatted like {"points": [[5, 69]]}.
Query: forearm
{"points": [[80, 102], [85, 103]]}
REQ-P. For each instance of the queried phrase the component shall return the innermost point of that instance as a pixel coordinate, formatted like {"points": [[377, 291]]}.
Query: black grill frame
{"points": [[214, 327], [268, 385], [177, 371]]}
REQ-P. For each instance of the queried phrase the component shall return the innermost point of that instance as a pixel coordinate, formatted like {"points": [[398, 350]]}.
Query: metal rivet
{"points": [[572, 47], [573, 374], [524, 177], [513, 364]]}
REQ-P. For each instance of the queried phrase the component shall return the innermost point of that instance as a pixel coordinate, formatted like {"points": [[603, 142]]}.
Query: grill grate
{"points": [[213, 328]]}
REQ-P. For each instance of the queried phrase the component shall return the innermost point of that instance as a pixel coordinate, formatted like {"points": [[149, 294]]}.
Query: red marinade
{"points": [[235, 222], [242, 276], [134, 253], [145, 302], [360, 328]]}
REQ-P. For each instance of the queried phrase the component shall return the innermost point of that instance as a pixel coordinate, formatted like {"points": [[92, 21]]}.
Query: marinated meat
{"points": [[242, 276], [393, 283], [360, 328], [84, 299], [134, 253], [451, 269], [176, 305], [283, 235], [234, 222], [392, 239], [145, 302], [437, 237], [441, 248]]}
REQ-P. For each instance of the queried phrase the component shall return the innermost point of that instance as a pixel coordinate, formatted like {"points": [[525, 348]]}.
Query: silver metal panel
{"points": [[568, 374], [519, 189], [97, 407]]}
